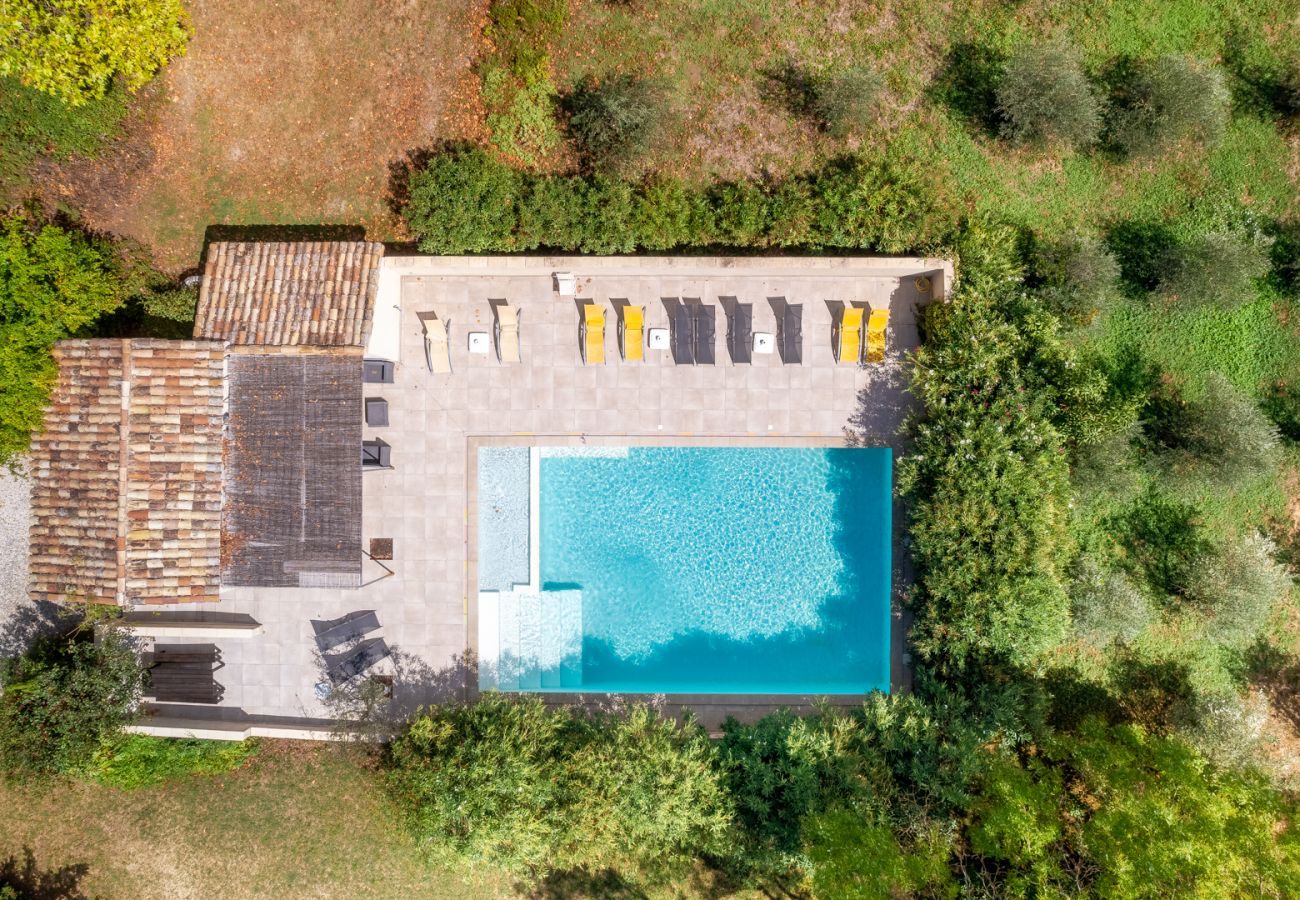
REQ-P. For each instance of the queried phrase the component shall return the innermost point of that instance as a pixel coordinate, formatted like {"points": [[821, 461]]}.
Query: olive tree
{"points": [[1045, 95], [1162, 101], [1218, 268]]}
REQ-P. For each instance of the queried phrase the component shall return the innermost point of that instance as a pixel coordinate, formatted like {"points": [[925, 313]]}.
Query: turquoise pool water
{"points": [[715, 570]]}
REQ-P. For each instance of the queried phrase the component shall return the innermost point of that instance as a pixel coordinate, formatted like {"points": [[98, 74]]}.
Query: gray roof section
{"points": [[292, 511]]}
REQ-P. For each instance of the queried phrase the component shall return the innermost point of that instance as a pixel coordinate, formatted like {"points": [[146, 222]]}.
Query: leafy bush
{"points": [[516, 77], [853, 856], [1080, 276], [1223, 435], [846, 102], [524, 127], [463, 200], [538, 790], [136, 760], [1225, 728], [1044, 95], [1162, 101], [1107, 605], [1214, 268], [987, 477], [1238, 588], [53, 282], [615, 121], [74, 49], [63, 700]]}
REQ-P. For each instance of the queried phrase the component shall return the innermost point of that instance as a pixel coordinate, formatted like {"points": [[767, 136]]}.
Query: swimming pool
{"points": [[701, 570]]}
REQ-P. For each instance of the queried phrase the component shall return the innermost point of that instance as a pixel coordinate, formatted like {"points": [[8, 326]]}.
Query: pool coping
{"points": [[749, 705]]}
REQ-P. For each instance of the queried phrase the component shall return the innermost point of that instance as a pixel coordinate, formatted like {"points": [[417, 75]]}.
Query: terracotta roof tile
{"points": [[126, 476], [318, 294]]}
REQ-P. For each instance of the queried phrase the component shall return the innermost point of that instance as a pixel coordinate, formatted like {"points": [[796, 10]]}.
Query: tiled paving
{"points": [[422, 503]]}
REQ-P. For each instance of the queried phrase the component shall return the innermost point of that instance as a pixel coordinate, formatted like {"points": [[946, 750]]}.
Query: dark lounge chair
{"points": [[337, 632], [740, 334], [792, 334], [683, 335], [376, 454], [705, 334], [347, 666]]}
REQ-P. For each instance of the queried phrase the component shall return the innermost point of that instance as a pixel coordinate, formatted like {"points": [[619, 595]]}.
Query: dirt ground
{"points": [[289, 111]]}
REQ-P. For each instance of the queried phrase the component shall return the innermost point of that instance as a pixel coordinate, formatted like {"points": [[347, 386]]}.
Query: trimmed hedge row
{"points": [[464, 200]]}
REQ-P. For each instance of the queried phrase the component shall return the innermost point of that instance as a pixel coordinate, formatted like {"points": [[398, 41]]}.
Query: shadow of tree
{"points": [[1278, 673], [32, 621], [28, 881], [791, 87], [1152, 694], [967, 84], [1141, 249], [374, 705], [581, 884], [1264, 85]]}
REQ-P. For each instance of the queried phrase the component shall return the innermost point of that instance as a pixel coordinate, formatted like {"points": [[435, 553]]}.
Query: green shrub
{"points": [[1107, 605], [1080, 277], [463, 201], [616, 121], [136, 760], [1223, 435], [516, 77], [74, 49], [538, 790], [1162, 101], [63, 699], [853, 856], [1217, 268], [1225, 728], [1238, 588], [525, 126], [1044, 95], [53, 282], [987, 476], [846, 103]]}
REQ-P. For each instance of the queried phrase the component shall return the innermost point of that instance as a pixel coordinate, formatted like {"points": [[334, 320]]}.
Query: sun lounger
{"points": [[876, 326], [506, 327], [683, 335], [437, 353], [848, 338], [338, 632], [791, 341], [705, 317], [740, 334], [346, 666], [631, 333], [592, 332]]}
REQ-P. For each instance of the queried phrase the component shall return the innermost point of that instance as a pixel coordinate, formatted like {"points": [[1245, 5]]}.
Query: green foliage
{"points": [[1162, 540], [464, 200], [1215, 268], [1160, 822], [1237, 589], [1080, 277], [615, 121], [1107, 605], [987, 477], [74, 49], [1044, 95], [33, 123], [53, 282], [1225, 728], [135, 760], [516, 77], [1015, 817], [538, 790], [62, 700], [1162, 101], [853, 858], [846, 103], [1223, 435]]}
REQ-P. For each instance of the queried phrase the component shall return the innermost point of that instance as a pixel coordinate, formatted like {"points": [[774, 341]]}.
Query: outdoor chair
{"points": [[506, 327], [683, 335], [437, 351], [876, 326], [740, 334], [791, 337], [591, 334], [631, 333], [705, 333], [848, 336]]}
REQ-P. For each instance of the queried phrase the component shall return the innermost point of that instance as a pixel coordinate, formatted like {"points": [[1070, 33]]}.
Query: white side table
{"points": [[763, 342], [658, 339], [479, 343]]}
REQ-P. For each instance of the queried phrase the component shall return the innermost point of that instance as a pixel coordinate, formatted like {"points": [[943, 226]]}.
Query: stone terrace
{"points": [[423, 503]]}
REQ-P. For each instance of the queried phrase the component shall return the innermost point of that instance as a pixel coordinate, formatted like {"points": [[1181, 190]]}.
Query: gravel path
{"points": [[20, 619]]}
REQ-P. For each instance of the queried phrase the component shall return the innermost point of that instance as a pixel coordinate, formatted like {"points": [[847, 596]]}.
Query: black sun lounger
{"points": [[740, 334], [346, 666], [705, 332], [335, 633], [683, 334], [792, 334]]}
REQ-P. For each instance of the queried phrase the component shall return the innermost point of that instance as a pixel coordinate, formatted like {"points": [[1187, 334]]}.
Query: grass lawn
{"points": [[280, 113], [300, 820]]}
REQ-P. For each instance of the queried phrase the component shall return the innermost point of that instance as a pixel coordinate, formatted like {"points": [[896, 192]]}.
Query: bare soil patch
{"points": [[282, 112]]}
